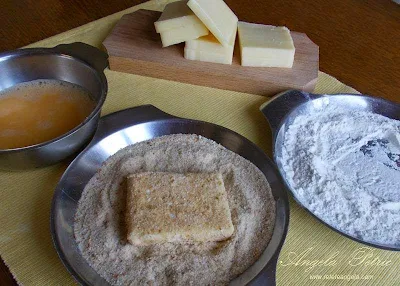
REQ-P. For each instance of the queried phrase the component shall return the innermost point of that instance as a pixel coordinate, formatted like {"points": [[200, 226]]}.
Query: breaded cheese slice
{"points": [[171, 207]]}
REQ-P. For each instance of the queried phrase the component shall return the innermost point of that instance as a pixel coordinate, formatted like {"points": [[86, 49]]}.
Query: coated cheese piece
{"points": [[218, 18], [265, 45], [171, 207], [208, 49], [178, 24]]}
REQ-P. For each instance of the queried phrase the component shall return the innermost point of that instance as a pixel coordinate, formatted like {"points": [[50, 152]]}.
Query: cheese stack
{"points": [[222, 23], [191, 21], [178, 24]]}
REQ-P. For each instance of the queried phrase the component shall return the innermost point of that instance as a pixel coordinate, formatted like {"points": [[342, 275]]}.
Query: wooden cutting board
{"points": [[135, 47]]}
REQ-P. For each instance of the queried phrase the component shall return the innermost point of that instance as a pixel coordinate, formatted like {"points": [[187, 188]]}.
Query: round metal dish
{"points": [[130, 126], [282, 110], [76, 63]]}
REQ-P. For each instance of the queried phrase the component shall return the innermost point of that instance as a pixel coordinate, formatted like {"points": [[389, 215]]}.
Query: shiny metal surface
{"points": [[76, 63], [130, 126], [282, 110]]}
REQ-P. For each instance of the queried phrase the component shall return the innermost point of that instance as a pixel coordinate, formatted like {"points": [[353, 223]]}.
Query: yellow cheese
{"points": [[180, 35], [169, 207], [208, 43], [218, 18], [195, 55], [178, 24], [275, 61], [208, 49], [265, 45]]}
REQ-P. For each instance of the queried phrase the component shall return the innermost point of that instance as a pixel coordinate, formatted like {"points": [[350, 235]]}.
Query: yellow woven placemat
{"points": [[311, 249]]}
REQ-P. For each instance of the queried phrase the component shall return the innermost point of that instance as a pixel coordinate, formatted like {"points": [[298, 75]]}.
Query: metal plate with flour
{"points": [[282, 110], [133, 125]]}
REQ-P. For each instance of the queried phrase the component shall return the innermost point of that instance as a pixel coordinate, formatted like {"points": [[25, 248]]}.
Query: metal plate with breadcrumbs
{"points": [[130, 126]]}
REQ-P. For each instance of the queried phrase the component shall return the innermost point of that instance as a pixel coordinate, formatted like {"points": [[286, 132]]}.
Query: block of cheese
{"points": [[218, 18], [195, 55], [178, 24], [265, 45], [170, 207], [180, 35], [208, 49], [176, 15]]}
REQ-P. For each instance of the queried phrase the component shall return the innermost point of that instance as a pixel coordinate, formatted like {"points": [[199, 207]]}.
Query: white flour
{"points": [[345, 168]]}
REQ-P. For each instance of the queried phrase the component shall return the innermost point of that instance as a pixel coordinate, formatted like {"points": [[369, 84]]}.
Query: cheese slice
{"points": [[208, 44], [265, 45], [178, 24], [218, 18], [180, 35], [218, 58], [275, 61], [170, 207], [208, 49]]}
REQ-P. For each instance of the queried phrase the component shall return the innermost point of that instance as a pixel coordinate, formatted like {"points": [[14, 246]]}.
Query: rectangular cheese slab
{"points": [[265, 45], [208, 49], [208, 44], [210, 57], [183, 34], [178, 24], [218, 18], [170, 207], [176, 15], [285, 61]]}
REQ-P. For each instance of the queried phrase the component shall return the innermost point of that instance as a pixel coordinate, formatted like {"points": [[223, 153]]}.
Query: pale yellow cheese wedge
{"points": [[265, 45], [169, 207], [178, 24], [208, 49], [218, 18]]}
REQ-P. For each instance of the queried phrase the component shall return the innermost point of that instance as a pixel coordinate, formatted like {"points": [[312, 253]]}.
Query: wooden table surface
{"points": [[359, 40]]}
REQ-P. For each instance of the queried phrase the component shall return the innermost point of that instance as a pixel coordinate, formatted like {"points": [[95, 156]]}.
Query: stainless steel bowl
{"points": [[129, 126], [76, 63], [282, 110]]}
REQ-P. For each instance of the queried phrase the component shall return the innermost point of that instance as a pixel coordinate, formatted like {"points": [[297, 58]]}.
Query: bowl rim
{"points": [[52, 51]]}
